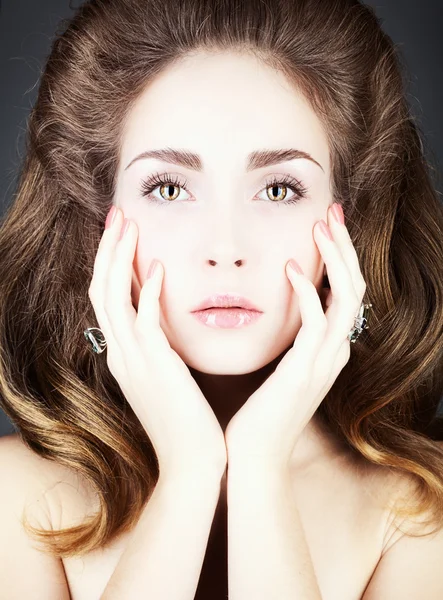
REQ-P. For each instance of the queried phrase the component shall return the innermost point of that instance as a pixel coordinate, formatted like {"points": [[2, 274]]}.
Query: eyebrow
{"points": [[255, 160]]}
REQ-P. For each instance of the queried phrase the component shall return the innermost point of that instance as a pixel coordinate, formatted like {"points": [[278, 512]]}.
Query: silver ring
{"points": [[94, 336], [360, 322]]}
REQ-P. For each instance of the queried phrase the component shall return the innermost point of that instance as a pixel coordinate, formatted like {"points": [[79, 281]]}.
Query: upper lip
{"points": [[225, 301]]}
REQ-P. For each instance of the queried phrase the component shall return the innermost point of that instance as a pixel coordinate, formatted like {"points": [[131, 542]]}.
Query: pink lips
{"points": [[226, 311], [227, 318], [226, 301]]}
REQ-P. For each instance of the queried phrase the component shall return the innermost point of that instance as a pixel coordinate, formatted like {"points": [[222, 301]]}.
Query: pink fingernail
{"points": [[297, 268], [151, 268], [124, 228], [326, 230], [337, 211], [111, 216]]}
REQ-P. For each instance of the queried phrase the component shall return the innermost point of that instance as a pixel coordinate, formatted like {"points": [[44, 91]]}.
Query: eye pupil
{"points": [[168, 186], [275, 187]]}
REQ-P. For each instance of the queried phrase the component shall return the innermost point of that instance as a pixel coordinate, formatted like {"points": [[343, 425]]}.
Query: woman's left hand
{"points": [[266, 428]]}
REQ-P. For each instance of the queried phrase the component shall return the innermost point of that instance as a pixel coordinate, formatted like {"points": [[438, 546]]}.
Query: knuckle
{"points": [[322, 325], [319, 327], [346, 354], [113, 361], [362, 287], [108, 312], [143, 336], [324, 371], [91, 292], [304, 380], [110, 360], [357, 300], [310, 287], [145, 340]]}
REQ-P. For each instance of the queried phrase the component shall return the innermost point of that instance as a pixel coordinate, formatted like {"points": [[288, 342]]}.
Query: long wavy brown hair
{"points": [[64, 402]]}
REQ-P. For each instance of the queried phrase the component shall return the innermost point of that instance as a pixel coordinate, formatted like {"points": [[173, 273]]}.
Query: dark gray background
{"points": [[27, 26]]}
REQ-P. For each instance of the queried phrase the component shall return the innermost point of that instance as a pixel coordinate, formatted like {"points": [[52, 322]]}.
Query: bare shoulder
{"points": [[351, 485], [25, 471], [25, 477], [417, 543], [397, 489], [49, 490]]}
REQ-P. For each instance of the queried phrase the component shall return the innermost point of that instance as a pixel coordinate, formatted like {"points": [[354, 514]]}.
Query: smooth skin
{"points": [[156, 382], [267, 426], [182, 426], [227, 229]]}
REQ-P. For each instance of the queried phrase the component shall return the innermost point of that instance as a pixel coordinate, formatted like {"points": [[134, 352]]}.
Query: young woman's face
{"points": [[230, 230]]}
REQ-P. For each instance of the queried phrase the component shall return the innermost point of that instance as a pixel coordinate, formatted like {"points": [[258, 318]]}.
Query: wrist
{"points": [[210, 474], [250, 467]]}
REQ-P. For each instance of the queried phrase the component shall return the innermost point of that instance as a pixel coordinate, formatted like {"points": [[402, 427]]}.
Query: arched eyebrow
{"points": [[255, 160]]}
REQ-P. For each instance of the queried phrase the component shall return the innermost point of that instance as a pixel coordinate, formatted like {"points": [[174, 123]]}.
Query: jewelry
{"points": [[94, 336], [360, 322]]}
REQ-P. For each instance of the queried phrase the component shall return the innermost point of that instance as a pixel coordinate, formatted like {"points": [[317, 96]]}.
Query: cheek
{"points": [[151, 244], [299, 244]]}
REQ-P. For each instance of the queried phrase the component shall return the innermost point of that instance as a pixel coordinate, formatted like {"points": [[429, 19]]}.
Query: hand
{"points": [[267, 426], [156, 382]]}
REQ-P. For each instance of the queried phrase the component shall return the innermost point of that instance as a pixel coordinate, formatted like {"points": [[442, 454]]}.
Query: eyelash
{"points": [[156, 180]]}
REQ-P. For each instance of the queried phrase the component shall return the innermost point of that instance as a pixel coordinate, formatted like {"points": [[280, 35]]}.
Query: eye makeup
{"points": [[149, 184]]}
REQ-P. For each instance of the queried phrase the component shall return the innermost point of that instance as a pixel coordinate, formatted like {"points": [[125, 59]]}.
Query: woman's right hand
{"points": [[158, 385]]}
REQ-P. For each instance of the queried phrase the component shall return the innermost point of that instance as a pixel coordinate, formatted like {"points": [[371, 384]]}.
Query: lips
{"points": [[223, 308], [226, 301]]}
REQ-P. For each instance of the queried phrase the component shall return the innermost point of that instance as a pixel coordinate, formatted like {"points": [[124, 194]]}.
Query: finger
{"points": [[148, 317], [98, 284], [118, 302], [346, 303], [311, 334], [131, 326], [343, 240]]}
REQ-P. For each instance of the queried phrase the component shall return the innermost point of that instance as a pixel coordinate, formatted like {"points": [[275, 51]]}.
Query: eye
{"points": [[166, 185], [282, 183]]}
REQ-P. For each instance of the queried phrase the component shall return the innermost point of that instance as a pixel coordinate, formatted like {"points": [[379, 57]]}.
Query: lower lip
{"points": [[227, 318]]}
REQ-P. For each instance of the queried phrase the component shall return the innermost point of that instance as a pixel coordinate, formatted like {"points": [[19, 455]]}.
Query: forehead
{"points": [[222, 106]]}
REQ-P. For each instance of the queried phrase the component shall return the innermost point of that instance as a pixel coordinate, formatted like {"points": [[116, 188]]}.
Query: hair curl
{"points": [[65, 403]]}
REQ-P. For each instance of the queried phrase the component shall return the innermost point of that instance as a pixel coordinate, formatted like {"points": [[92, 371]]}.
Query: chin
{"points": [[229, 352], [220, 360]]}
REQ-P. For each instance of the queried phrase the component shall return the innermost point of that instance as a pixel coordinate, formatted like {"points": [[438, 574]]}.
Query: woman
{"points": [[278, 134]]}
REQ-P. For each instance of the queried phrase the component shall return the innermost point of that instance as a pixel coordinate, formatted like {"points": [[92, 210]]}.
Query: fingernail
{"points": [[111, 216], [124, 228], [152, 268], [297, 268], [338, 213], [326, 230]]}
